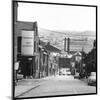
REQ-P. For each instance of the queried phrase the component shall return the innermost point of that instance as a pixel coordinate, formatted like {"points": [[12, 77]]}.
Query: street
{"points": [[59, 85]]}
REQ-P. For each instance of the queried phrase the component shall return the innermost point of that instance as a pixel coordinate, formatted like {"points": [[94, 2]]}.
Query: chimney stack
{"points": [[68, 45], [65, 44]]}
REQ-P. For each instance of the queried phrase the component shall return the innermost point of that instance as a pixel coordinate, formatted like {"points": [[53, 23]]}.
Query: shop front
{"points": [[27, 53]]}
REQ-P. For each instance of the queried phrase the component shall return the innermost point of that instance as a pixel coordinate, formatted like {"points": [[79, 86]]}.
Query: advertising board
{"points": [[27, 43]]}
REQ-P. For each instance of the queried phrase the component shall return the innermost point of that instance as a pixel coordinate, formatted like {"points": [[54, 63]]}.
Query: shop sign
{"points": [[27, 43]]}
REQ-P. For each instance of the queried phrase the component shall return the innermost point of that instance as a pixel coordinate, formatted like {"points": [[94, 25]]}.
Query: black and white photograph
{"points": [[54, 49]]}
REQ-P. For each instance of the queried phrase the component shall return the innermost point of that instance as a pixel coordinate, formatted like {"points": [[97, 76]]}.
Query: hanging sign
{"points": [[27, 43]]}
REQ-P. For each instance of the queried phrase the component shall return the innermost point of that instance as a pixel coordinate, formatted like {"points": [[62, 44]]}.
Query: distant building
{"points": [[52, 59], [43, 62]]}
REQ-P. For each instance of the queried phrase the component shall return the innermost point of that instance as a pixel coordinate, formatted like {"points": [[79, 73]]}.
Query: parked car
{"points": [[76, 75], [19, 76], [68, 72], [64, 71], [92, 78]]}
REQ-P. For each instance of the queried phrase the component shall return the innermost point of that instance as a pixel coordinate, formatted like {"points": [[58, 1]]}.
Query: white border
{"points": [[5, 49]]}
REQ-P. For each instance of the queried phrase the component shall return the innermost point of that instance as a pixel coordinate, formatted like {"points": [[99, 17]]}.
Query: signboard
{"points": [[27, 43], [78, 58]]}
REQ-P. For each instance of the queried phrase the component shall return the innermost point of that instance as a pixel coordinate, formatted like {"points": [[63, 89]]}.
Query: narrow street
{"points": [[59, 85]]}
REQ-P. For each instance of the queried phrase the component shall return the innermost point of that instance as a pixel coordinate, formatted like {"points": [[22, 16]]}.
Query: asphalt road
{"points": [[60, 85]]}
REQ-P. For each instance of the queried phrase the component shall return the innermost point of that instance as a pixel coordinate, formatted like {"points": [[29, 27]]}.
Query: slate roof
{"points": [[51, 48], [42, 43]]}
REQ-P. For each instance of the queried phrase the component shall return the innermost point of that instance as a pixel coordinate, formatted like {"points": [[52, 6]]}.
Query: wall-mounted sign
{"points": [[78, 58], [27, 43]]}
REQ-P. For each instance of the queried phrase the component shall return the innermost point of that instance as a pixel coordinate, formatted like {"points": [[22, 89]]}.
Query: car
{"points": [[68, 72], [64, 71], [92, 79], [19, 76], [76, 75]]}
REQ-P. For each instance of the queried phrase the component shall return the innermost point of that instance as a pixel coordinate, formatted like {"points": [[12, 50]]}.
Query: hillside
{"points": [[56, 38]]}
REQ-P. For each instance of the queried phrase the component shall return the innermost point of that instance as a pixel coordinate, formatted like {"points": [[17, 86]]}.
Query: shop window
{"points": [[19, 44]]}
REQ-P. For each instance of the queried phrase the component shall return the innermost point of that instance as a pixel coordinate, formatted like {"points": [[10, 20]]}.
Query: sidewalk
{"points": [[25, 85]]}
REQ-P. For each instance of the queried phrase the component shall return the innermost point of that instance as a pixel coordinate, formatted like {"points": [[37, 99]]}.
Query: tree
{"points": [[90, 61]]}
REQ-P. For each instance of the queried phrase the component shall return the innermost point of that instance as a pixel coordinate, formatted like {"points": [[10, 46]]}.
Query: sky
{"points": [[58, 17]]}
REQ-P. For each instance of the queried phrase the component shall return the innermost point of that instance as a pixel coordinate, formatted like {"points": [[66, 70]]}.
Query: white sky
{"points": [[58, 17]]}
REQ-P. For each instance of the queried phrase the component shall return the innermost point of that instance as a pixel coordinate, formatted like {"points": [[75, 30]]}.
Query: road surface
{"points": [[60, 85]]}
